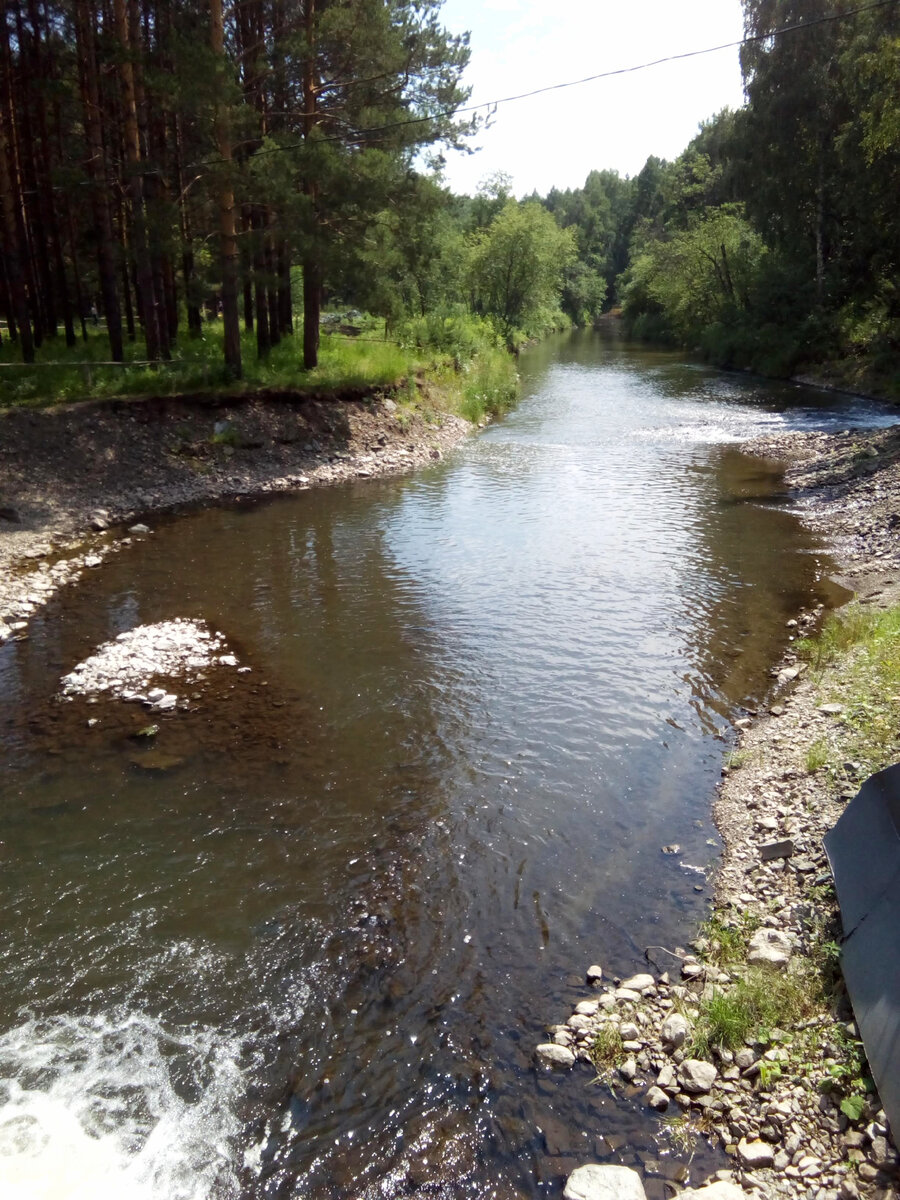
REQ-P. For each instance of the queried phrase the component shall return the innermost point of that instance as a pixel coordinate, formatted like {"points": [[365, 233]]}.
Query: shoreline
{"points": [[767, 1102], [145, 458], [79, 482]]}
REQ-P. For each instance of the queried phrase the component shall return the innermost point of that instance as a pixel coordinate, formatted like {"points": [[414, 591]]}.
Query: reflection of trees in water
{"points": [[752, 566]]}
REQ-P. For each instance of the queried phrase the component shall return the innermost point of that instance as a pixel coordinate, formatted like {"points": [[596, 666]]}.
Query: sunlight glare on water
{"points": [[303, 944]]}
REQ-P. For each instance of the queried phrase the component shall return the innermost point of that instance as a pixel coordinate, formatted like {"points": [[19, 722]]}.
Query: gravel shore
{"points": [[75, 479], [79, 483], [774, 1104]]}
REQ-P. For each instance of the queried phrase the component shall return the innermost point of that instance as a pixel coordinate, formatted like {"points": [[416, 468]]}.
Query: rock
{"points": [[626, 995], [638, 983], [629, 1032], [99, 520], [577, 1021], [155, 762], [745, 1058], [674, 1031], [769, 946], [139, 528], [628, 1069], [93, 560], [657, 1099], [696, 1076], [881, 1153], [831, 710], [587, 1008], [691, 970], [771, 850], [607, 1182], [551, 1055], [721, 1189], [755, 1154], [666, 1076], [594, 974]]}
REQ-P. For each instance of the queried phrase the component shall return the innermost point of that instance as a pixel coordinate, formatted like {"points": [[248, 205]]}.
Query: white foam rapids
{"points": [[115, 1107]]}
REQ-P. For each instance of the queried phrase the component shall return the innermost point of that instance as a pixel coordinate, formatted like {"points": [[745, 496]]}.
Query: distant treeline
{"points": [[773, 241]]}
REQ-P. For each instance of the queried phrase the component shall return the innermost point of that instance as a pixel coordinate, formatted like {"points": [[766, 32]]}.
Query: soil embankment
{"points": [[72, 479]]}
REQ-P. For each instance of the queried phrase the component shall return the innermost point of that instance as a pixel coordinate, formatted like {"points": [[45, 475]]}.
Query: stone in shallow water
{"points": [[156, 762], [179, 649], [606, 1182], [551, 1055]]}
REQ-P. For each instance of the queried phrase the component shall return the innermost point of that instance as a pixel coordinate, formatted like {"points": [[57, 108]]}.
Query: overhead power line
{"points": [[491, 106]]}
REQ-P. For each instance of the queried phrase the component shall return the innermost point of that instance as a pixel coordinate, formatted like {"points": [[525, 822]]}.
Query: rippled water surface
{"points": [[308, 948]]}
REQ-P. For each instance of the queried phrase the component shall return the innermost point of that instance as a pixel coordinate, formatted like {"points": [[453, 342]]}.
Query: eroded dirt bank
{"points": [[74, 479], [790, 1105]]}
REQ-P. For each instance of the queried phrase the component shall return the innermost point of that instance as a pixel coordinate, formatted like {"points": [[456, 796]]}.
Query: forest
{"points": [[181, 174]]}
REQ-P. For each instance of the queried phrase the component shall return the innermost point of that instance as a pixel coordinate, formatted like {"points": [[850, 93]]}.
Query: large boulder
{"points": [[596, 1182]]}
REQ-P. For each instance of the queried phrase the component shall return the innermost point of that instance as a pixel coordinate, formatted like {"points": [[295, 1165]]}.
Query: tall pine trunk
{"points": [[97, 173], [227, 232], [13, 242]]}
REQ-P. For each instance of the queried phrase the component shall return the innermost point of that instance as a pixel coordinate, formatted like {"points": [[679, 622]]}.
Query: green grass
{"points": [[197, 364], [474, 373], [759, 1002], [818, 754], [728, 940], [606, 1048], [857, 656]]}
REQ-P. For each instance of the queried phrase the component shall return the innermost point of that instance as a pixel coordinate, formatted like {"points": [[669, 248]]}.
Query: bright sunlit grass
{"points": [[61, 374]]}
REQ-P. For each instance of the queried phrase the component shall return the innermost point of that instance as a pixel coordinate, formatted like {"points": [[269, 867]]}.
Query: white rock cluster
{"points": [[128, 667]]}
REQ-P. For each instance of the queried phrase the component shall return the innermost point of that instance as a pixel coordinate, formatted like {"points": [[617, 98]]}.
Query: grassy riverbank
{"points": [[473, 372]]}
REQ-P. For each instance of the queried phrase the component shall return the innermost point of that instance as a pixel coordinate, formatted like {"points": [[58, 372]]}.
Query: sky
{"points": [[556, 139]]}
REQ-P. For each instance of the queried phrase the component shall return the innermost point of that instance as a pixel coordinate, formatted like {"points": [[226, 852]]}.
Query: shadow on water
{"points": [[332, 907]]}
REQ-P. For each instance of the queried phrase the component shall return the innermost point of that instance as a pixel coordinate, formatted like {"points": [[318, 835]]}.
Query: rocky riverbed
{"points": [[791, 1106], [81, 482]]}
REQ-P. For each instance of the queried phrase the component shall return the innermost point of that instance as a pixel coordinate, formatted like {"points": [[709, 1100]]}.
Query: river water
{"points": [[305, 947]]}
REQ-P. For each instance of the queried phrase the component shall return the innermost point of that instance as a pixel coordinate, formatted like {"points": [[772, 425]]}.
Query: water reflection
{"points": [[481, 700]]}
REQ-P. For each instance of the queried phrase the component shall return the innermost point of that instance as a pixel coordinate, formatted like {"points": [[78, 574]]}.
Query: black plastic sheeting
{"points": [[863, 850]]}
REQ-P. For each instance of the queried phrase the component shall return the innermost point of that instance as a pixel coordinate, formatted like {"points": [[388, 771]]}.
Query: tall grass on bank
{"points": [[472, 363], [61, 375], [856, 660], [464, 355]]}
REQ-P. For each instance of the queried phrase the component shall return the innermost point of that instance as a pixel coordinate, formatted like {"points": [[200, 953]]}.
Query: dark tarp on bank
{"points": [[864, 852]]}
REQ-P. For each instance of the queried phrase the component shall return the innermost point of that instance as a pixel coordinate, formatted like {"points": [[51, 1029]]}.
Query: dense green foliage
{"points": [[170, 164], [774, 240]]}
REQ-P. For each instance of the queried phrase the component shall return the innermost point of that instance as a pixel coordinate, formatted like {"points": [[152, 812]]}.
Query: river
{"points": [[306, 947]]}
